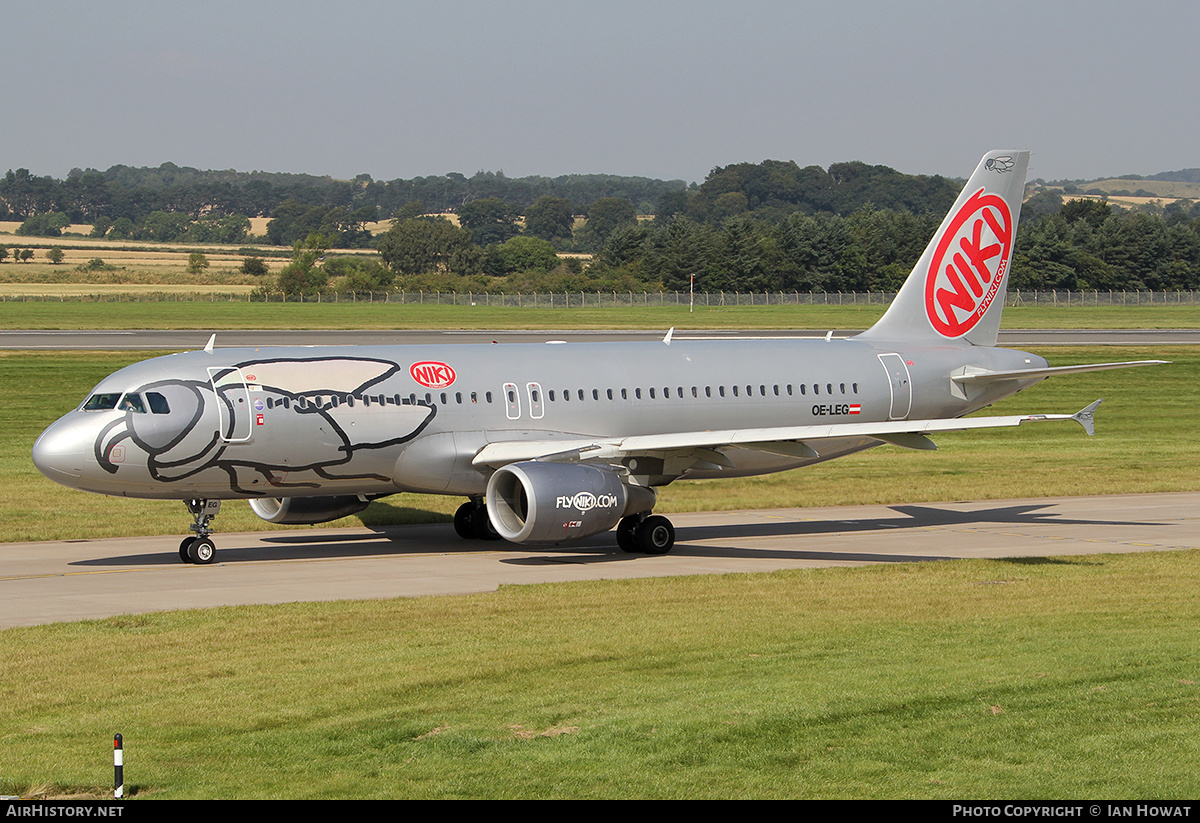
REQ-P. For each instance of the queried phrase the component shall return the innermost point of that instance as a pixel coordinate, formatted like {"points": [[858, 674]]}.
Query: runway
{"points": [[186, 340], [72, 580]]}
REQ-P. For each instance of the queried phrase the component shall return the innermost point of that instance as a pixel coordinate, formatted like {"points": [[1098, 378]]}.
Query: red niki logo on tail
{"points": [[968, 264]]}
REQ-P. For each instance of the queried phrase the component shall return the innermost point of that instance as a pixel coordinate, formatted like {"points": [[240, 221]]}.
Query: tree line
{"points": [[770, 226], [133, 193]]}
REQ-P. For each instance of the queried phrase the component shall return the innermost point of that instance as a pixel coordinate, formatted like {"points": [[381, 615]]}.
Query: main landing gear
{"points": [[471, 521], [642, 534], [200, 549]]}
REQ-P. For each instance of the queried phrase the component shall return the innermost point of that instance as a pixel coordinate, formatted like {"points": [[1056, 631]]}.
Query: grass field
{"points": [[1020, 679], [1054, 678]]}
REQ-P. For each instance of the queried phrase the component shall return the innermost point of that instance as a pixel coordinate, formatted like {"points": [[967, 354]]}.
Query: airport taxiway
{"points": [[186, 340], [77, 579]]}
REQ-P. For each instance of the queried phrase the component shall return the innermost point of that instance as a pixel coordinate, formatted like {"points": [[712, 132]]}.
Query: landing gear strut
{"points": [[642, 534], [200, 549], [471, 521]]}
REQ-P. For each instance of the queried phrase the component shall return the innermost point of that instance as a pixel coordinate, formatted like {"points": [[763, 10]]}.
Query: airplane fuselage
{"points": [[304, 421]]}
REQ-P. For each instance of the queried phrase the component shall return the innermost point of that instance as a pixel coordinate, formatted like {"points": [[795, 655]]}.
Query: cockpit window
{"points": [[132, 402], [158, 403], [102, 402]]}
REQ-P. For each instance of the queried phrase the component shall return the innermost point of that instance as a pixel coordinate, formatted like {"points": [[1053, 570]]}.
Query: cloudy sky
{"points": [[664, 88]]}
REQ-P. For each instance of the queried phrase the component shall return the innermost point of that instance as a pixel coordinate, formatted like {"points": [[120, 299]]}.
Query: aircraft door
{"points": [[512, 401], [900, 385], [234, 411], [536, 410]]}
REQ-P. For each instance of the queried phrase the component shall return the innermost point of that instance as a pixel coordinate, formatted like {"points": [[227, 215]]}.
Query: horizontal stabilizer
{"points": [[984, 376]]}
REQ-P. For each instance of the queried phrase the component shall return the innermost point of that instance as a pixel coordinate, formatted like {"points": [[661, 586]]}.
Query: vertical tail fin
{"points": [[956, 290]]}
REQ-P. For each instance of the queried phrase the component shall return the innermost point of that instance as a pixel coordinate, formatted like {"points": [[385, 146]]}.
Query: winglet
{"points": [[1085, 417], [670, 332], [208, 347]]}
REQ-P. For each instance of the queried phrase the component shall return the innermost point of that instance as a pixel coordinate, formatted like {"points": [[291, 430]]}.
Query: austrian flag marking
{"points": [[968, 265], [432, 374]]}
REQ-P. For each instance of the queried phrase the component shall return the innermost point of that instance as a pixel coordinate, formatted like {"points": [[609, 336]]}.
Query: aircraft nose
{"points": [[59, 452]]}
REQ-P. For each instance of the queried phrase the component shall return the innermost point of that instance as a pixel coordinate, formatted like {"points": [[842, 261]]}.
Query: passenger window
{"points": [[158, 403]]}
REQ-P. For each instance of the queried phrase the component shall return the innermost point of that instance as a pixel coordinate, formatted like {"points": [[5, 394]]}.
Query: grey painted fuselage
{"points": [[303, 421]]}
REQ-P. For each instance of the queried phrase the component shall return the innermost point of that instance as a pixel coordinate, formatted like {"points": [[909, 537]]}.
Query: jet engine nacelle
{"points": [[551, 502], [307, 510]]}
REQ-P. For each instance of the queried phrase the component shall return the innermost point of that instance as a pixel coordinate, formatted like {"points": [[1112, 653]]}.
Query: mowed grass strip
{"points": [[1047, 678], [212, 313], [1147, 440]]}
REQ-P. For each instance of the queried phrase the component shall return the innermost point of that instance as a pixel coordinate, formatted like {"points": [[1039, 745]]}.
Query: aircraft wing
{"points": [[797, 441]]}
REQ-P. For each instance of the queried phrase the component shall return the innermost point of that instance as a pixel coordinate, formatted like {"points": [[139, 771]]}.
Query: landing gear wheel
{"points": [[183, 549], [482, 526], [655, 535], [201, 551], [471, 522], [462, 520], [627, 534]]}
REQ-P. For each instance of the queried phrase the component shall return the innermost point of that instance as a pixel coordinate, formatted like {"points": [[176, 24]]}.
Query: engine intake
{"points": [[547, 503], [307, 510]]}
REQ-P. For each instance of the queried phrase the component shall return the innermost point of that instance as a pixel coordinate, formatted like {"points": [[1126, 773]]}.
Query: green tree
{"points": [[526, 253], [490, 220], [122, 229], [303, 275], [255, 266], [55, 255], [429, 245], [604, 217], [197, 263], [100, 226], [552, 219], [44, 225]]}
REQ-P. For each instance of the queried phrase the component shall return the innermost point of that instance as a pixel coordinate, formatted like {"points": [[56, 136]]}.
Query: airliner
{"points": [[555, 442]]}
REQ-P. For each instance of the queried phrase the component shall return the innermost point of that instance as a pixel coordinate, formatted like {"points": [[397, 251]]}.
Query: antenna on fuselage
{"points": [[208, 347]]}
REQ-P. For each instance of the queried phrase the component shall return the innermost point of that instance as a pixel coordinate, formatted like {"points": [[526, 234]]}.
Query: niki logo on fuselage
{"points": [[968, 265], [432, 374]]}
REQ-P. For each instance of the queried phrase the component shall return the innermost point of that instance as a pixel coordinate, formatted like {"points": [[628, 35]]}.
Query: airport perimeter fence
{"points": [[575, 300]]}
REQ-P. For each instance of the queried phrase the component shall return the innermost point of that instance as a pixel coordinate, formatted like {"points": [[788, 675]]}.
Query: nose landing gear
{"points": [[200, 549]]}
